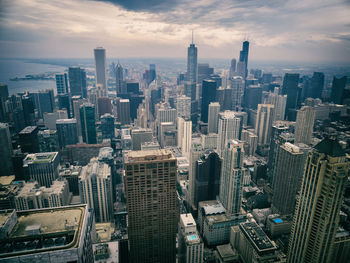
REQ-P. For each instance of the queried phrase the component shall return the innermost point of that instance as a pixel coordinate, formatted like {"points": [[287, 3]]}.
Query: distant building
{"points": [[140, 136], [229, 129], [252, 96], [107, 126], [48, 141], [213, 117], [192, 63], [237, 86], [123, 111], [28, 139], [88, 125], [208, 96], [183, 106], [6, 150], [77, 82], [51, 118], [338, 87], [279, 103], [62, 83], [264, 123], [290, 88], [100, 67], [67, 132], [304, 125], [43, 101]]}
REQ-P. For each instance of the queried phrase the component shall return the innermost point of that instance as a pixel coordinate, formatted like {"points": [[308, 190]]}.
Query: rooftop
{"points": [[187, 220], [6, 180], [227, 253], [257, 237], [66, 121], [149, 155], [330, 147], [34, 158], [28, 129], [192, 239]]}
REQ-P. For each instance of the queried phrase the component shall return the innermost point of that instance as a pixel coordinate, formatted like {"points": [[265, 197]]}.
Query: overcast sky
{"points": [[297, 30]]}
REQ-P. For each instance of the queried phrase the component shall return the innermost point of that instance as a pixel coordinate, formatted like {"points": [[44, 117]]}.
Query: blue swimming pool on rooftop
{"points": [[277, 220], [192, 237]]}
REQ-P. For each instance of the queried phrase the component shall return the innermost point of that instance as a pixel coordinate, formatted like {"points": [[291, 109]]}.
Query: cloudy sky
{"points": [[285, 30]]}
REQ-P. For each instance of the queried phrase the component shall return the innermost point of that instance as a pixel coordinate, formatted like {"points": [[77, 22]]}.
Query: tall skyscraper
{"points": [[304, 125], [290, 88], [184, 138], [28, 139], [318, 206], [279, 103], [232, 68], [183, 107], [64, 102], [190, 90], [263, 124], [6, 150], [95, 183], [77, 82], [44, 101], [208, 95], [88, 125], [100, 67], [237, 86], [150, 188], [287, 177], [120, 84], [192, 63], [338, 87], [232, 173], [316, 86], [242, 66], [67, 132], [123, 111], [229, 127], [62, 83], [213, 117], [107, 126]]}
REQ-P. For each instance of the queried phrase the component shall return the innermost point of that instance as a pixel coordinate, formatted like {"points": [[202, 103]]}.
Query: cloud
{"points": [[141, 5]]}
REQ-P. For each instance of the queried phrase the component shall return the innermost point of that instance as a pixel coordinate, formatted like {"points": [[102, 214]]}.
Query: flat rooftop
{"points": [[6, 180], [192, 239], [149, 155], [187, 219], [34, 158], [257, 237], [4, 215], [28, 130], [227, 253]]}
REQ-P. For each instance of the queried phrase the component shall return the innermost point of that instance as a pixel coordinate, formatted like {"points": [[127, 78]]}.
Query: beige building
{"points": [[304, 125]]}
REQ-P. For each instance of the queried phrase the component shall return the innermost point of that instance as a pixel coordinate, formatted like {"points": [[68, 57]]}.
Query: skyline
{"points": [[37, 29]]}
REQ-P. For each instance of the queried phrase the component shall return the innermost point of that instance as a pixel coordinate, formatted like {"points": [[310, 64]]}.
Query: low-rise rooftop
{"points": [[35, 158]]}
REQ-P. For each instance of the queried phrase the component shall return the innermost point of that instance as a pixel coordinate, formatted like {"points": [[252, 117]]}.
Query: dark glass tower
{"points": [[290, 88], [208, 95], [88, 125], [338, 87], [192, 63], [243, 56], [77, 82], [316, 85]]}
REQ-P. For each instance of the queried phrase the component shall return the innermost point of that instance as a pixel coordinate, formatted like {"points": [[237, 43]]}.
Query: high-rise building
{"points": [[51, 118], [64, 102], [338, 87], [191, 247], [251, 140], [150, 188], [318, 206], [195, 154], [77, 82], [95, 184], [207, 177], [232, 173], [88, 125], [62, 83], [28, 110], [204, 72], [77, 101], [107, 126], [104, 105], [123, 111], [184, 135], [252, 96], [290, 88], [279, 103], [316, 86], [67, 132], [208, 95], [229, 127], [42, 167], [48, 141], [183, 107], [140, 136], [213, 117], [28, 139], [44, 101], [120, 84], [6, 150], [237, 86], [232, 68], [264, 123], [192, 63], [190, 90], [304, 125], [242, 67], [100, 68], [287, 177]]}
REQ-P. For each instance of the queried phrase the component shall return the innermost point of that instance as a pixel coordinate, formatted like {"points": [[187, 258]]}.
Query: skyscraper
{"points": [[6, 150], [304, 125], [190, 90], [338, 87], [232, 173], [279, 103], [62, 83], [242, 66], [184, 138], [77, 82], [64, 102], [232, 68], [100, 67], [237, 86], [316, 86], [263, 124], [318, 206], [95, 183], [120, 84], [213, 117], [192, 63], [123, 111], [229, 127], [88, 125], [107, 126], [183, 107], [208, 95], [150, 188], [290, 88], [67, 132], [28, 139]]}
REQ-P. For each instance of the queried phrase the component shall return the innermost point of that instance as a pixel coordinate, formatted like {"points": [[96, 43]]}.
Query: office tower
{"points": [[132, 86], [107, 126], [209, 141], [290, 88], [42, 167], [288, 172], [252, 96], [104, 105], [207, 177], [64, 102], [48, 141], [184, 135], [77, 101], [164, 113], [338, 87], [28, 110], [192, 63], [152, 72], [191, 246], [95, 185], [4, 94], [150, 188], [279, 103], [183, 107], [6, 150], [44, 101], [67, 132], [140, 136], [237, 86], [87, 121], [229, 126], [304, 125], [251, 139], [204, 72], [208, 95], [100, 68], [167, 134], [4, 91], [51, 118], [213, 117], [123, 111], [242, 65], [317, 210], [77, 82], [120, 84], [28, 139], [195, 153], [62, 83], [232, 173], [33, 196], [190, 90], [264, 123], [224, 97], [316, 86], [232, 68]]}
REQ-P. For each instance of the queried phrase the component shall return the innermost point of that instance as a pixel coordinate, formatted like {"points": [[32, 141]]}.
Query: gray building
{"points": [[67, 132], [140, 136], [48, 141], [6, 150]]}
